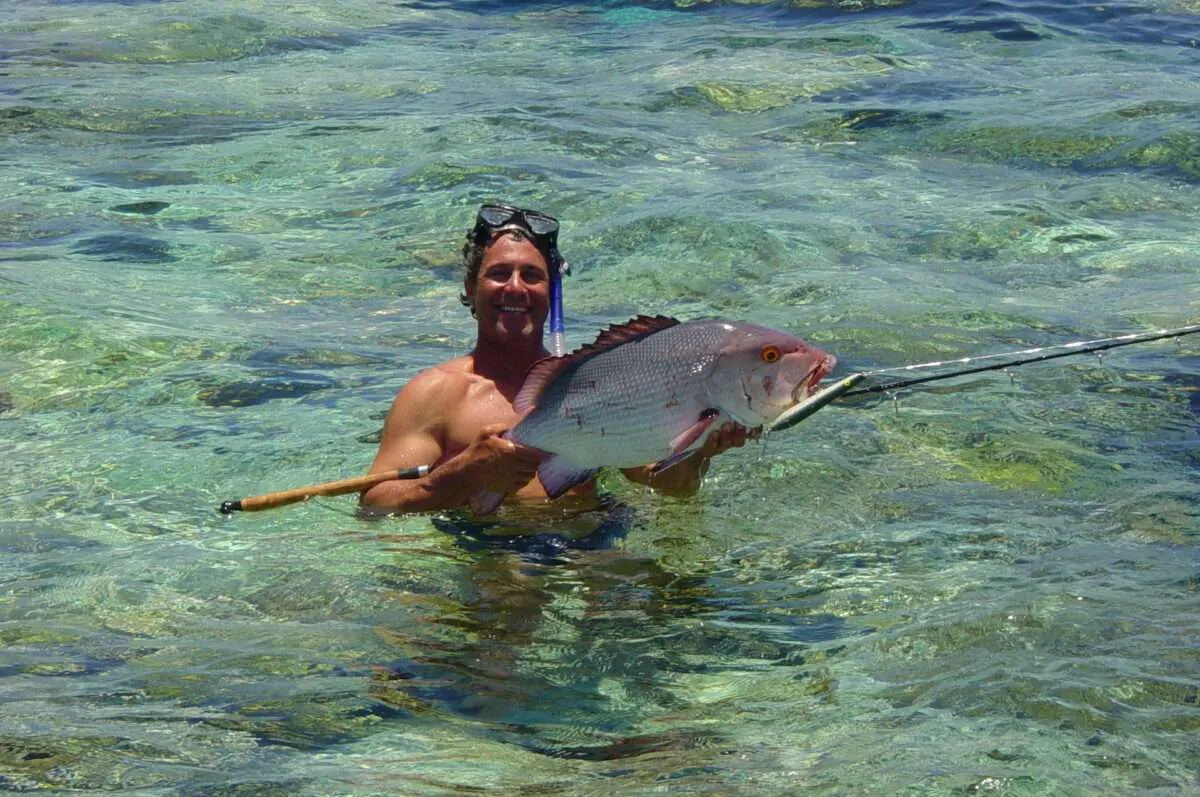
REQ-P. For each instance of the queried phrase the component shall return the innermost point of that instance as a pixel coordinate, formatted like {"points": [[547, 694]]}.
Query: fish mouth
{"points": [[808, 385]]}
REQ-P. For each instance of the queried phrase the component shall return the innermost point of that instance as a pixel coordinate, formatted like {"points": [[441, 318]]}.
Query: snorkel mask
{"points": [[543, 231]]}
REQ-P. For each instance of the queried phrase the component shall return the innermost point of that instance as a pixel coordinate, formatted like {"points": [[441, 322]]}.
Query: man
{"points": [[452, 415]]}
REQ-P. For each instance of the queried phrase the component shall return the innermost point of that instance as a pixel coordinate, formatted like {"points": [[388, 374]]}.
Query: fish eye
{"points": [[770, 354]]}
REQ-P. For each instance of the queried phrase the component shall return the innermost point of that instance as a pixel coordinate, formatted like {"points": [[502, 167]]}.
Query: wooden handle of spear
{"points": [[340, 487]]}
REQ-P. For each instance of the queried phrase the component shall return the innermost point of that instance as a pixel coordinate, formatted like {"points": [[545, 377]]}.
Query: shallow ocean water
{"points": [[228, 235]]}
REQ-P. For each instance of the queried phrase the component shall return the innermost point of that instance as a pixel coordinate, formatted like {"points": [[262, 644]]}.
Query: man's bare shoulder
{"points": [[439, 386]]}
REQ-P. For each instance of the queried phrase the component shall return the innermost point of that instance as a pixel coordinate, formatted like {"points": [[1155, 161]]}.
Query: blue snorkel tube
{"points": [[558, 337]]}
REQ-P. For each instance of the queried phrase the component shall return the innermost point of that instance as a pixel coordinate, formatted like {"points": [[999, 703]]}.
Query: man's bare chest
{"points": [[482, 406]]}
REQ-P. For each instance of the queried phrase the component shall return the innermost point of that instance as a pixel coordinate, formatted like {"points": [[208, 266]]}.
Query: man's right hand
{"points": [[494, 464], [442, 411]]}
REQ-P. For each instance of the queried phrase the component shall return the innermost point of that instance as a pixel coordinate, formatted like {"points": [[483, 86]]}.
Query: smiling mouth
{"points": [[508, 308]]}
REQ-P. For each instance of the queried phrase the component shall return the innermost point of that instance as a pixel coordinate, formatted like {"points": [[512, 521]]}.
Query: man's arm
{"points": [[414, 433], [684, 479]]}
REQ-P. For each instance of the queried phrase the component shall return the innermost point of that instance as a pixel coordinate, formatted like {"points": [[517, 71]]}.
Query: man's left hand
{"points": [[730, 435]]}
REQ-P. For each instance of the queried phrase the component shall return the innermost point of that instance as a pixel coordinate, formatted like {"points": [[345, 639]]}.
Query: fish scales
{"points": [[624, 405]]}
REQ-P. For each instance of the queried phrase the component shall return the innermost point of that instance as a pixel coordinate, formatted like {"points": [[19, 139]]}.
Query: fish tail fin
{"points": [[558, 475]]}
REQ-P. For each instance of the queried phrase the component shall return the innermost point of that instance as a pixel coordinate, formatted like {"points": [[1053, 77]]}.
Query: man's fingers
{"points": [[731, 435], [525, 457], [528, 454], [493, 430]]}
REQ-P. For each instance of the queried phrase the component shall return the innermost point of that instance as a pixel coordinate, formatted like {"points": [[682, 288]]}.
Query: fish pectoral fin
{"points": [[558, 475], [684, 444], [485, 502], [669, 462], [688, 437]]}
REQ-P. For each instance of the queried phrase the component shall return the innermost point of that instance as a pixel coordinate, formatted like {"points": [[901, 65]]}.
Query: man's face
{"points": [[511, 295]]}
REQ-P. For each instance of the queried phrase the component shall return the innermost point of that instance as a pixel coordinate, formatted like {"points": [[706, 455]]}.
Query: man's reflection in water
{"points": [[556, 640]]}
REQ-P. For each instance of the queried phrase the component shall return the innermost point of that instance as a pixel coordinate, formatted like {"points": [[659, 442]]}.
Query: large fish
{"points": [[650, 391]]}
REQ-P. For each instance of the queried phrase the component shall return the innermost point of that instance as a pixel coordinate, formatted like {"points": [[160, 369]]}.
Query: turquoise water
{"points": [[228, 235]]}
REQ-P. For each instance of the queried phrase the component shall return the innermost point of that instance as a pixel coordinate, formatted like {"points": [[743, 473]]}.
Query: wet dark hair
{"points": [[477, 245]]}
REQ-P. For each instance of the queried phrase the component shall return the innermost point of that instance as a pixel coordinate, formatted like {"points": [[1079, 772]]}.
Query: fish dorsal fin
{"points": [[545, 370], [616, 334]]}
